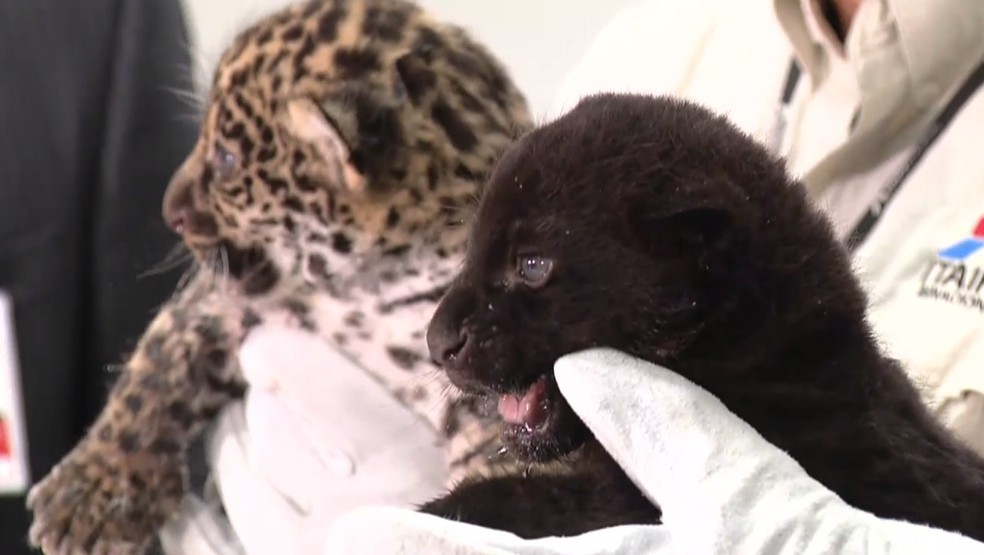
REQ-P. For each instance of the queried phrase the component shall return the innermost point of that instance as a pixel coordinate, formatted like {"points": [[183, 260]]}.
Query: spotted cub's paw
{"points": [[101, 502]]}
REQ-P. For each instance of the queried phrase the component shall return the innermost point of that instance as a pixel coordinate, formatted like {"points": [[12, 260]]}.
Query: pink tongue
{"points": [[528, 409]]}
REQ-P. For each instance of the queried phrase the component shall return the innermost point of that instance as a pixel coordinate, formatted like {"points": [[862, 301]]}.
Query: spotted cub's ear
{"points": [[414, 78], [332, 134]]}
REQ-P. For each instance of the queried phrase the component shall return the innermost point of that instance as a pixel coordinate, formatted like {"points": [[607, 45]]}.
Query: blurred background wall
{"points": [[524, 34]]}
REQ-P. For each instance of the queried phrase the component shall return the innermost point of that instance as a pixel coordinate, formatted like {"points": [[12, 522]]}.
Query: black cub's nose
{"points": [[446, 346], [446, 337]]}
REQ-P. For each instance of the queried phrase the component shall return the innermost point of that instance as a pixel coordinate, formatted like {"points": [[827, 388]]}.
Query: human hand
{"points": [[315, 437], [721, 486]]}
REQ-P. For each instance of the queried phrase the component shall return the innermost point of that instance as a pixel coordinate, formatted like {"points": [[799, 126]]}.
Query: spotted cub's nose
{"points": [[177, 205], [176, 208], [176, 218], [180, 212], [183, 213]]}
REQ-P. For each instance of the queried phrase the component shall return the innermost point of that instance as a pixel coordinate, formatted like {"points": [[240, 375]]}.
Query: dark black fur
{"points": [[679, 240]]}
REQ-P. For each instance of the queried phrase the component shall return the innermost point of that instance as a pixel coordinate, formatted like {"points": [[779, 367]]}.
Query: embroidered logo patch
{"points": [[14, 477], [956, 276], [6, 451]]}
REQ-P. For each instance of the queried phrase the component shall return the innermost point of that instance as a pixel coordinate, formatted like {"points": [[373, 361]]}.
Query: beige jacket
{"points": [[849, 128]]}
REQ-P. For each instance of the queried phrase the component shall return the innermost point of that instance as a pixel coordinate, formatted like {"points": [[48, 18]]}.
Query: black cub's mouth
{"points": [[538, 423], [527, 410]]}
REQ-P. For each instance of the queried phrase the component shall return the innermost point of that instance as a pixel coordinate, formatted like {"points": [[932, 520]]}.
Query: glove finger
{"points": [[275, 491], [275, 356], [294, 373], [680, 444], [262, 518], [304, 371], [281, 452], [198, 530], [344, 417], [396, 470]]}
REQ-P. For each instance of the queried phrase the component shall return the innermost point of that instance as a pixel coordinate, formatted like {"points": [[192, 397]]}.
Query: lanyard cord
{"points": [[873, 214]]}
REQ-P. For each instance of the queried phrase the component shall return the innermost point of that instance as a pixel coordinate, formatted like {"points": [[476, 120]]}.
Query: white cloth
{"points": [[721, 486], [315, 437]]}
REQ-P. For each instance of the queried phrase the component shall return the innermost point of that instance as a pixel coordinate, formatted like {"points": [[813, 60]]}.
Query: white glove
{"points": [[721, 486], [315, 437]]}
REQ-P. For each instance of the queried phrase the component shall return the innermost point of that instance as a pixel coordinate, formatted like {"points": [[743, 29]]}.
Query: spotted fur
{"points": [[341, 150]]}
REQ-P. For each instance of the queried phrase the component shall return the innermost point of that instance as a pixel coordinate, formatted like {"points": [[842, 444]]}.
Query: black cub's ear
{"points": [[700, 218]]}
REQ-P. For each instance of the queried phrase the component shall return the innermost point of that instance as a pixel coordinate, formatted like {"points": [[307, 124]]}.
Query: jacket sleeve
{"points": [[149, 127]]}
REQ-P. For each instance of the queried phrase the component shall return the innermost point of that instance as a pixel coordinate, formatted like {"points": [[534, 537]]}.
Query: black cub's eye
{"points": [[534, 269], [224, 161]]}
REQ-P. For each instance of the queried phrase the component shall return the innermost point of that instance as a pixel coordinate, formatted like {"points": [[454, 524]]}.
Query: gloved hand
{"points": [[721, 486], [315, 437]]}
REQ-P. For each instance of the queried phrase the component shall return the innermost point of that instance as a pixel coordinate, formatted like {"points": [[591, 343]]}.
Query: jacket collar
{"points": [[908, 57]]}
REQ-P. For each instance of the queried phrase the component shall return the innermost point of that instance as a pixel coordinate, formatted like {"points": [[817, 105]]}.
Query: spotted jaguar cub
{"points": [[342, 146]]}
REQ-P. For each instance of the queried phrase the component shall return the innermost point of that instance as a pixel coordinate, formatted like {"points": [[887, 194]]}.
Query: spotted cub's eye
{"points": [[224, 161], [534, 269]]}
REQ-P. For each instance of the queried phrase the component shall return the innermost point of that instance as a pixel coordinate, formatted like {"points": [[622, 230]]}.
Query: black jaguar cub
{"points": [[654, 227]]}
